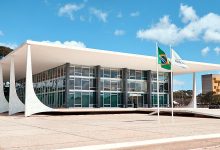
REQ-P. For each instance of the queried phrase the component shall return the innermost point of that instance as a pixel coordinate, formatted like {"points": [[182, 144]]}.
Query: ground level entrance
{"points": [[137, 100]]}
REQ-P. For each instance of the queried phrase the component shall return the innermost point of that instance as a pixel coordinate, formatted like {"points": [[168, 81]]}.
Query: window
{"points": [[102, 85], [154, 87], [138, 75], [85, 71], [160, 87], [113, 85], [119, 85], [106, 85], [71, 99], [92, 84], [144, 86], [85, 84], [106, 73], [102, 72], [77, 99], [114, 73], [132, 74], [59, 84], [166, 77], [78, 71], [92, 72], [77, 83], [132, 86], [107, 99], [138, 86], [71, 71], [71, 84], [161, 77], [165, 87], [154, 76], [144, 75]]}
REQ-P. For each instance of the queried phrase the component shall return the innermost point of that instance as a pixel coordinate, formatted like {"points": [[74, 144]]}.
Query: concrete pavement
{"points": [[67, 131]]}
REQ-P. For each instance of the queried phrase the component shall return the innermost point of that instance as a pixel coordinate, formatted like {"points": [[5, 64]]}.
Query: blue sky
{"points": [[192, 27]]}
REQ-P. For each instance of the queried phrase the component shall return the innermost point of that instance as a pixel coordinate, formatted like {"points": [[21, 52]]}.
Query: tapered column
{"points": [[193, 103], [3, 101], [32, 103], [15, 104], [194, 91]]}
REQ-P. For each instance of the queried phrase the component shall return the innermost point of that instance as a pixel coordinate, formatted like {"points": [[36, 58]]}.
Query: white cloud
{"points": [[67, 43], [217, 50], [119, 15], [135, 14], [205, 51], [164, 32], [197, 28], [187, 13], [99, 14], [69, 10], [10, 45], [178, 82], [1, 33], [211, 35], [119, 32]]}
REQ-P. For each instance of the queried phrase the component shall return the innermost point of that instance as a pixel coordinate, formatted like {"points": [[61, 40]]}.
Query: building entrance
{"points": [[135, 100]]}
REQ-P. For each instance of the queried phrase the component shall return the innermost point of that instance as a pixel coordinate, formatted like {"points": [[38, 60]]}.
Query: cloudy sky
{"points": [[192, 27]]}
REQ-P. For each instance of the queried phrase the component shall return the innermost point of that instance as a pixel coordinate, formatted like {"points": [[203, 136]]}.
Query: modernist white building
{"points": [[44, 77]]}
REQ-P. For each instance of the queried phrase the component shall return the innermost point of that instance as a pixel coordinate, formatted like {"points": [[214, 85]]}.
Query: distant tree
{"points": [[215, 99], [208, 98], [4, 51], [183, 97]]}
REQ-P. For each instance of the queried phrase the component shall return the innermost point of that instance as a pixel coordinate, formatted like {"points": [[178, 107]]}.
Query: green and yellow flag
{"points": [[163, 60]]}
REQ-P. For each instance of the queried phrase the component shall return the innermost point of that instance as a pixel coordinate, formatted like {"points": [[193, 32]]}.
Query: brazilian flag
{"points": [[163, 60]]}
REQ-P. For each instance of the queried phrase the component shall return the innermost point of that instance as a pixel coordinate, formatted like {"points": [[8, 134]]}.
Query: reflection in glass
{"points": [[85, 84], [77, 83], [107, 85], [138, 75], [85, 71], [114, 73], [113, 85], [71, 84]]}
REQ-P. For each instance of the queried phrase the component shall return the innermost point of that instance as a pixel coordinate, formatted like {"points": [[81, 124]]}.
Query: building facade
{"points": [[211, 83], [45, 76], [79, 86]]}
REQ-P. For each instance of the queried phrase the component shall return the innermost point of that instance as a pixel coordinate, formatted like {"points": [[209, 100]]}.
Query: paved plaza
{"points": [[68, 131]]}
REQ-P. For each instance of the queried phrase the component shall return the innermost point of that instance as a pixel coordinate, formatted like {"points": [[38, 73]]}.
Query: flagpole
{"points": [[171, 80], [158, 107]]}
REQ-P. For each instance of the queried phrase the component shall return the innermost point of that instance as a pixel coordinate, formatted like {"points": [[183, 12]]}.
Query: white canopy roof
{"points": [[46, 56]]}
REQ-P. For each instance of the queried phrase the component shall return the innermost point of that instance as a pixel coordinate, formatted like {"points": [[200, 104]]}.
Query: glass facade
{"points": [[49, 87], [81, 86], [111, 87], [163, 89], [75, 86], [137, 88], [20, 89]]}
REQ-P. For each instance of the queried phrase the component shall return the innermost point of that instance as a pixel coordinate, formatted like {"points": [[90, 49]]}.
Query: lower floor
{"points": [[79, 99]]}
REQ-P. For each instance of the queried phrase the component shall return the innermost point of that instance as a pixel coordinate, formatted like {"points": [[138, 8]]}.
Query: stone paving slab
{"points": [[55, 132]]}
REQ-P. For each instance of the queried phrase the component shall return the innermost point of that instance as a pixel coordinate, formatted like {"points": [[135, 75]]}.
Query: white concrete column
{"points": [[194, 91], [32, 104], [193, 103], [3, 101], [15, 104]]}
